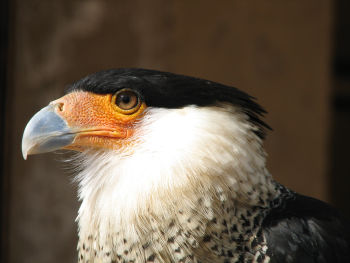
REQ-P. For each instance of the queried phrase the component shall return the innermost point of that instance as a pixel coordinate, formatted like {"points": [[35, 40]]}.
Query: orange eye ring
{"points": [[126, 101]]}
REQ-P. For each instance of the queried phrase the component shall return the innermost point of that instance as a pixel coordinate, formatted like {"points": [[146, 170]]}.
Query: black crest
{"points": [[168, 90]]}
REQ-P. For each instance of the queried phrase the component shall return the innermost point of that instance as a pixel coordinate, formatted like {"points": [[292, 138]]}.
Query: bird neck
{"points": [[155, 196]]}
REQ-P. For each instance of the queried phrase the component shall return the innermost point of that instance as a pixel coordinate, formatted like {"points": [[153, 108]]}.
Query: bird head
{"points": [[104, 110], [150, 135]]}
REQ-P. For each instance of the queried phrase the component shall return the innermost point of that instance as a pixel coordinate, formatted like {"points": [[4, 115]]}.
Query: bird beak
{"points": [[46, 132]]}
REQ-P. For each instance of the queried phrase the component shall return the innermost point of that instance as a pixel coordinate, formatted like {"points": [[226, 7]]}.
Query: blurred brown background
{"points": [[292, 55]]}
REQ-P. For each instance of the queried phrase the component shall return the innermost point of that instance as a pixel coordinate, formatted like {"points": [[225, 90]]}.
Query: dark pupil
{"points": [[125, 98]]}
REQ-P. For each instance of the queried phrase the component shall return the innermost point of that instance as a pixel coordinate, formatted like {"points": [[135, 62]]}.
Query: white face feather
{"points": [[176, 155]]}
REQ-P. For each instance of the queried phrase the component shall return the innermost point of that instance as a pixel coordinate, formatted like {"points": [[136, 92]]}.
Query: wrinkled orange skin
{"points": [[96, 120]]}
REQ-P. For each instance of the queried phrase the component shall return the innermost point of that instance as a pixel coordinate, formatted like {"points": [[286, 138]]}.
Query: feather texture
{"points": [[186, 168]]}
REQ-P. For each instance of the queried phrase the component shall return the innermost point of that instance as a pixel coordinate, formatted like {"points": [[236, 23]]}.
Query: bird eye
{"points": [[127, 100]]}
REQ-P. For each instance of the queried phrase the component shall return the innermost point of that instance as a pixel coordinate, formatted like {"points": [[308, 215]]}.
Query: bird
{"points": [[172, 168]]}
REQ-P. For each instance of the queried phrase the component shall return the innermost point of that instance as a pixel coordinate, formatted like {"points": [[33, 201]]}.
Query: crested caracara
{"points": [[172, 169]]}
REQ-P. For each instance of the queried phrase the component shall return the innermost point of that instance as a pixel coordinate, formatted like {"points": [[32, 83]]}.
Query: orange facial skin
{"points": [[97, 120]]}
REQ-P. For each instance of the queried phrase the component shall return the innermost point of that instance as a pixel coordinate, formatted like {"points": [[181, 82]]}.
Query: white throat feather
{"points": [[179, 156]]}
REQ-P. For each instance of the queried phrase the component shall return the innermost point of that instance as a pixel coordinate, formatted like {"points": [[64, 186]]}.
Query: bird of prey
{"points": [[172, 168]]}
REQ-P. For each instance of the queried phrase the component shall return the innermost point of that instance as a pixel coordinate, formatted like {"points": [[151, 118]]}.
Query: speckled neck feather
{"points": [[195, 177]]}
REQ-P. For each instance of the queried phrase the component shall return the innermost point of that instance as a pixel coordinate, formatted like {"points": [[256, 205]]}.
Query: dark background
{"points": [[293, 55]]}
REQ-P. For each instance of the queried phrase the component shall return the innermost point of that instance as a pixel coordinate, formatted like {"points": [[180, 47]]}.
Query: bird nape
{"points": [[172, 169]]}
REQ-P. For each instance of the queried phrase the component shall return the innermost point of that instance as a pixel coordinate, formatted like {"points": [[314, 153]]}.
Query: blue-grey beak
{"points": [[46, 132]]}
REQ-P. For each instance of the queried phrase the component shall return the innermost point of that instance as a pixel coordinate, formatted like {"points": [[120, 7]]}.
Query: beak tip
{"points": [[45, 132], [25, 148]]}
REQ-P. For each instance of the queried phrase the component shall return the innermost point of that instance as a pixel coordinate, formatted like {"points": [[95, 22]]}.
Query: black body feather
{"points": [[304, 229]]}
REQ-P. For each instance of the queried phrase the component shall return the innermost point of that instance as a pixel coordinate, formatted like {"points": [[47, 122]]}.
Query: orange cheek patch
{"points": [[96, 120]]}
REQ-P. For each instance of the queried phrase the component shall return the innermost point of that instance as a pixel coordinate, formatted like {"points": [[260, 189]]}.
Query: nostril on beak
{"points": [[57, 105], [60, 106]]}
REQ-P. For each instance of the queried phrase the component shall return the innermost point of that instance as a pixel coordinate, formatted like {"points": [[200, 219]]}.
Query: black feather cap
{"points": [[169, 90]]}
